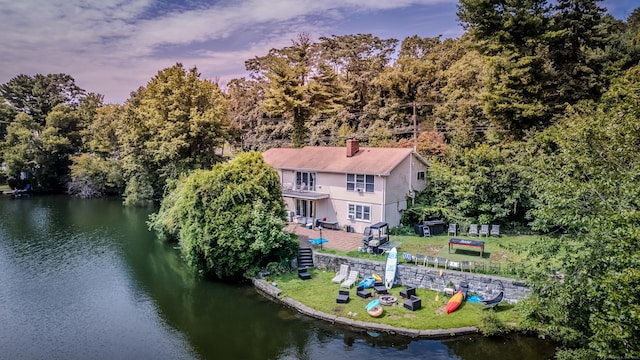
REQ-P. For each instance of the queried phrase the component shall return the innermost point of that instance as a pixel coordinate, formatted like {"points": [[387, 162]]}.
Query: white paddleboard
{"points": [[390, 271]]}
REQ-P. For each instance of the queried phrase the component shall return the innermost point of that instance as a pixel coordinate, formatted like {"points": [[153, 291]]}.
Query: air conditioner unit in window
{"points": [[351, 216], [359, 190]]}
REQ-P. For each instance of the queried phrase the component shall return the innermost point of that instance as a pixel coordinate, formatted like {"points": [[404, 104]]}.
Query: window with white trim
{"points": [[305, 181], [421, 175], [359, 212], [360, 182]]}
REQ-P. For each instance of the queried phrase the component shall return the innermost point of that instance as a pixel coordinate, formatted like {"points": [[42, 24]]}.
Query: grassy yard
{"points": [[4, 187], [503, 255], [320, 293]]}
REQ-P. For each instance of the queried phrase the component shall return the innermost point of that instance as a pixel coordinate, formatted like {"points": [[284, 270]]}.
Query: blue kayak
{"points": [[367, 282]]}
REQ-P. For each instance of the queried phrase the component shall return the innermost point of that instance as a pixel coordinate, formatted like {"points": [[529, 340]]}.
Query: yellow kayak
{"points": [[454, 302]]}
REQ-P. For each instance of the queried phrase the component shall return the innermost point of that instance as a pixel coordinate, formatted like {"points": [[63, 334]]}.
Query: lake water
{"points": [[85, 279]]}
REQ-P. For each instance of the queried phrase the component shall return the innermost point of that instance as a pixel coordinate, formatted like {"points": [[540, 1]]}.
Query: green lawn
{"points": [[320, 293], [503, 255]]}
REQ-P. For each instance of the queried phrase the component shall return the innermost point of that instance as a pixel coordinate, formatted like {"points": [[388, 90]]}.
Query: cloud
{"points": [[115, 46]]}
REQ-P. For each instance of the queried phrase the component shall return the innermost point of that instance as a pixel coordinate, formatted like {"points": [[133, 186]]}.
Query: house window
{"points": [[305, 181], [421, 175], [360, 182], [360, 212]]}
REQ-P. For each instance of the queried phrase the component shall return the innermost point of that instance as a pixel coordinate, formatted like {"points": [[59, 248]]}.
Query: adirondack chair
{"points": [[473, 230], [495, 230], [484, 230]]}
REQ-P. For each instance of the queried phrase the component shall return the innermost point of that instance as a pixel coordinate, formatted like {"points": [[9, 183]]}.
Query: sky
{"points": [[113, 47]]}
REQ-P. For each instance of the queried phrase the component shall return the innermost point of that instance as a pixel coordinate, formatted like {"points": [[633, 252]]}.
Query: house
{"points": [[348, 187]]}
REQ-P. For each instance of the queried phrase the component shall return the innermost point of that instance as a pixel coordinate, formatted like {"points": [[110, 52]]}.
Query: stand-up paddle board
{"points": [[390, 271]]}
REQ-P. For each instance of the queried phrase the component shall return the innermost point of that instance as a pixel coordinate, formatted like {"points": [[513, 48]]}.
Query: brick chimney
{"points": [[353, 145]]}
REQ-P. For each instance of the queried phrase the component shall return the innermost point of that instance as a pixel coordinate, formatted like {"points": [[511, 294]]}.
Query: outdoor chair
{"points": [[441, 261], [430, 260], [303, 273], [426, 231], [495, 230], [342, 274], [407, 257], [368, 236], [478, 265], [343, 297], [362, 292], [413, 303], [420, 258], [465, 265], [473, 230], [380, 289], [484, 230], [350, 280], [494, 268], [453, 265], [453, 229], [408, 291]]}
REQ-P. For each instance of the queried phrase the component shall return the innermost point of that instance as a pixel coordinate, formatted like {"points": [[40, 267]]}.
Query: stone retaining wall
{"points": [[427, 277]]}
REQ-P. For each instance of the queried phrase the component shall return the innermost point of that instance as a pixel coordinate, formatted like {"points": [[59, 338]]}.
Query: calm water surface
{"points": [[85, 279]]}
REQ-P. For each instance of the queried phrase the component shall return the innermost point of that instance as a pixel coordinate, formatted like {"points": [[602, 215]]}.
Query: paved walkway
{"points": [[336, 239]]}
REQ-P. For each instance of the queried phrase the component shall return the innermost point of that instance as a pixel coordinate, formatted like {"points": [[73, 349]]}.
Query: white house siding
{"points": [[387, 201]]}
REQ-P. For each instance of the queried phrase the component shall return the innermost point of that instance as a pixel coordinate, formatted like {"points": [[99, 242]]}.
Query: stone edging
{"points": [[273, 293]]}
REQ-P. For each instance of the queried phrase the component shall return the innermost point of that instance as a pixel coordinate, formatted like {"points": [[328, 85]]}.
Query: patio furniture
{"points": [[495, 230], [464, 287], [303, 273], [407, 257], [351, 279], [426, 231], [472, 243], [342, 274], [478, 265], [453, 265], [407, 292], [453, 229], [473, 230], [413, 303], [435, 226], [484, 230], [430, 260], [420, 258], [343, 297], [380, 289], [492, 303], [441, 261], [465, 265], [362, 292]]}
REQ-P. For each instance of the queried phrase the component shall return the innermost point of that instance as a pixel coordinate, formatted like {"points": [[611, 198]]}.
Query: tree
{"points": [[585, 173], [286, 92], [228, 220], [172, 126], [38, 95]]}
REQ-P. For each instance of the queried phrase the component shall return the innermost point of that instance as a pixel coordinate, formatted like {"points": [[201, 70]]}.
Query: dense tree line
{"points": [[529, 118]]}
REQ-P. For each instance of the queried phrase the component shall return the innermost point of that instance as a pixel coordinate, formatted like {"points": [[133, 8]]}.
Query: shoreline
{"points": [[273, 293]]}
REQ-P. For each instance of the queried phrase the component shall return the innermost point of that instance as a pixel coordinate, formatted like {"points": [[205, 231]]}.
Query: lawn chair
{"points": [[465, 265], [430, 260], [441, 261], [426, 231], [408, 291], [420, 258], [342, 274], [484, 230], [473, 230], [453, 229], [454, 265], [495, 230], [407, 257], [351, 279]]}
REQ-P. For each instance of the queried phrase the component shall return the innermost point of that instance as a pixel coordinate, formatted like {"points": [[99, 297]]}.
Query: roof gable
{"points": [[378, 161]]}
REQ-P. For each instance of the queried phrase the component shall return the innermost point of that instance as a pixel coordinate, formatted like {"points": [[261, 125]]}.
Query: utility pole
{"points": [[415, 127]]}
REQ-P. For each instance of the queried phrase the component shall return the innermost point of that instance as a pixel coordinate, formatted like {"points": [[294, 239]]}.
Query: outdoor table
{"points": [[474, 243]]}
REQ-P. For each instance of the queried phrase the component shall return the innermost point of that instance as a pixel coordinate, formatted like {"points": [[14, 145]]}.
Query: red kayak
{"points": [[454, 302]]}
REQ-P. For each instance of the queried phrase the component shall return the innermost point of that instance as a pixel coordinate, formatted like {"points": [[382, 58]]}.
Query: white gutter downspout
{"points": [[384, 197]]}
